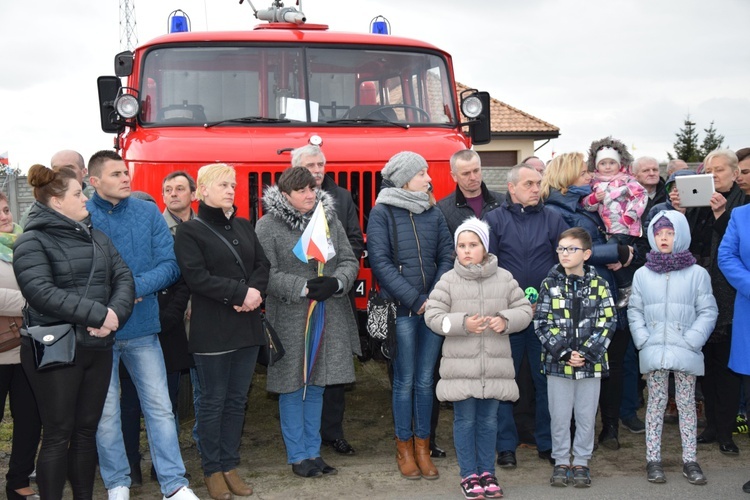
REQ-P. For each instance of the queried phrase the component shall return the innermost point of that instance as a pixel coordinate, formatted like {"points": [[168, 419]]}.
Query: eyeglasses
{"points": [[569, 250]]}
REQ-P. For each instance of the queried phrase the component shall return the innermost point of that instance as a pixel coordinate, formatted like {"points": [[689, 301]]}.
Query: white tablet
{"points": [[695, 190]]}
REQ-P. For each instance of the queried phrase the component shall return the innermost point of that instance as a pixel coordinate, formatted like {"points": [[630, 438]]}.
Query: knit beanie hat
{"points": [[402, 167], [662, 222], [479, 227], [610, 153]]}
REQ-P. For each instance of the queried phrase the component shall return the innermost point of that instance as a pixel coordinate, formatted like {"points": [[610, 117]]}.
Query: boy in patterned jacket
{"points": [[574, 320]]}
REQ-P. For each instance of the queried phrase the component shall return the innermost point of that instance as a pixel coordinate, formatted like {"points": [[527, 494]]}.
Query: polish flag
{"points": [[4, 158]]}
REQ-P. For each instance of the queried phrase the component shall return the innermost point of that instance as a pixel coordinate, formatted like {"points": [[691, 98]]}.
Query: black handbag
{"points": [[381, 312], [53, 345], [272, 351]]}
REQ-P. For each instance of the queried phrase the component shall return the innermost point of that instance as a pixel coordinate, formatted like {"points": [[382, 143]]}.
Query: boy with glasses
{"points": [[574, 320]]}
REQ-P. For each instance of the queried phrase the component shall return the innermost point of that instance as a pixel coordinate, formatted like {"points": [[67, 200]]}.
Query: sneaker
{"points": [[581, 476], [560, 476], [472, 488], [741, 424], [634, 425], [491, 487], [692, 471], [623, 297], [655, 473], [183, 493], [119, 493]]}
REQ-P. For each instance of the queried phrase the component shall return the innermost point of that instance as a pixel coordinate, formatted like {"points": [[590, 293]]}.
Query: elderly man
{"points": [[535, 162], [312, 158], [675, 165], [523, 236], [471, 197], [646, 172]]}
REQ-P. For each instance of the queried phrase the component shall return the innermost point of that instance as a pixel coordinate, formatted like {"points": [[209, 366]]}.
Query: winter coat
{"points": [[476, 365], [660, 196], [672, 314], [142, 238], [456, 210], [569, 207], [279, 230], [346, 212], [11, 304], [623, 204], [524, 240], [425, 253], [666, 202], [217, 281], [734, 262], [575, 313], [52, 261]]}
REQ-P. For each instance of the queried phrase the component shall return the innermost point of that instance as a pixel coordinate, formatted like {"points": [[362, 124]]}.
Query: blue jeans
{"points": [[474, 431], [413, 367], [507, 435], [225, 381], [300, 423], [196, 404], [144, 361]]}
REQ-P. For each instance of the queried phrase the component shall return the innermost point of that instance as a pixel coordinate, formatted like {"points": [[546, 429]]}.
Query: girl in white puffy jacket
{"points": [[475, 306], [672, 312]]}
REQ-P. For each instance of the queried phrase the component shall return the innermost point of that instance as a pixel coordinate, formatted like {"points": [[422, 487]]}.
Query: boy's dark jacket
{"points": [[575, 313]]}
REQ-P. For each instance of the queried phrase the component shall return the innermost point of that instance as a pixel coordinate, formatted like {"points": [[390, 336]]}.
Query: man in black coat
{"points": [[312, 158]]}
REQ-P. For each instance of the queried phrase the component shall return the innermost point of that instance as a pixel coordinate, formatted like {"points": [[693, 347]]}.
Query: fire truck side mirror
{"points": [[108, 87], [124, 63]]}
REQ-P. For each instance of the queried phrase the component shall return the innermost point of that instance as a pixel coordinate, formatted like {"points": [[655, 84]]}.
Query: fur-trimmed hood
{"points": [[275, 204], [626, 159]]}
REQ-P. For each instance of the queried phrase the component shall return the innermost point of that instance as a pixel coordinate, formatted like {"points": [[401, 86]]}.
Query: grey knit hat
{"points": [[402, 167]]}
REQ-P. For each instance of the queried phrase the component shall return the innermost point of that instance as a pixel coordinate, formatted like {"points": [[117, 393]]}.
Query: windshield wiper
{"points": [[367, 121], [247, 119]]}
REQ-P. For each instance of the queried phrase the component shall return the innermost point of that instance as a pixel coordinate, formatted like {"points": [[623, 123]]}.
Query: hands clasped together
{"points": [[478, 324]]}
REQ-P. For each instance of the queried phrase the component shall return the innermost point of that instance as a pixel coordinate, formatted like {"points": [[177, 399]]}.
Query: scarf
{"points": [[580, 191], [663, 263], [7, 240], [413, 201]]}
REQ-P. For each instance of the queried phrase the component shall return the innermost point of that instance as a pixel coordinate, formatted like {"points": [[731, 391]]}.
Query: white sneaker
{"points": [[183, 493], [119, 493]]}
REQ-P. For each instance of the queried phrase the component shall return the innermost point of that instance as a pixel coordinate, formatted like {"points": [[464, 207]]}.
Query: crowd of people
{"points": [[558, 298]]}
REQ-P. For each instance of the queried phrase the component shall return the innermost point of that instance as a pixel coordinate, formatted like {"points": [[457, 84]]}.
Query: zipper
{"points": [[481, 338], [419, 251], [664, 333]]}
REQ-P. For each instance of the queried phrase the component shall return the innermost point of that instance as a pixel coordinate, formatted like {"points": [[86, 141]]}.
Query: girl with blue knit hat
{"points": [[476, 306]]}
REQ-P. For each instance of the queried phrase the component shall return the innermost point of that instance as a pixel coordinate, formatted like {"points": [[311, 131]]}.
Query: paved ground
{"points": [[372, 472]]}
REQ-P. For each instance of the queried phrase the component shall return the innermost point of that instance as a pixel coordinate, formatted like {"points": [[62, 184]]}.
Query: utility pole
{"points": [[128, 32]]}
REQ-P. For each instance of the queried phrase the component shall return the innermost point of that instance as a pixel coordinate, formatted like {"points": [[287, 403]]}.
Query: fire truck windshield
{"points": [[325, 85]]}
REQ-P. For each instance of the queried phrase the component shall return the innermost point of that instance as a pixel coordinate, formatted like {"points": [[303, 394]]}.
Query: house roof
{"points": [[507, 121]]}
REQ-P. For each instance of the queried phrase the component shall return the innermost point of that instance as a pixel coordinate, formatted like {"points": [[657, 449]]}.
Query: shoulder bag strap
{"points": [[229, 246]]}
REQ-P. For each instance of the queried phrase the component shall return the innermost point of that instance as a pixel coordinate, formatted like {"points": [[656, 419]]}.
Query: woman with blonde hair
{"points": [[227, 271]]}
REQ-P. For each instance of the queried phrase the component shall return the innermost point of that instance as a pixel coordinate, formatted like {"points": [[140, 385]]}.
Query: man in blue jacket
{"points": [[140, 234], [523, 237]]}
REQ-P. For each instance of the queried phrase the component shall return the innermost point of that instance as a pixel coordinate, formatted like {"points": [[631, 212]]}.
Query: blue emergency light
{"points": [[380, 26], [178, 22]]}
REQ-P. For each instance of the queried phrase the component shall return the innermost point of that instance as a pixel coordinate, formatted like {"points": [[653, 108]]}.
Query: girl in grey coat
{"points": [[672, 312], [292, 283], [476, 306]]}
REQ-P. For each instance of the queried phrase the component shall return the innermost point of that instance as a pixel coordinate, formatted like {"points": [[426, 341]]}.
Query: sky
{"points": [[633, 69]]}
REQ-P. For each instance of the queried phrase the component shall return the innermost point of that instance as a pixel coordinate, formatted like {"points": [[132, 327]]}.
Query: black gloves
{"points": [[322, 288]]}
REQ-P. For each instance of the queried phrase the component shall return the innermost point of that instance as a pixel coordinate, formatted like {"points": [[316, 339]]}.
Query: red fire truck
{"points": [[248, 98]]}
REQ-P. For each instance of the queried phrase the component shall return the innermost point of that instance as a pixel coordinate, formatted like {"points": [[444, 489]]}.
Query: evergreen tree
{"points": [[713, 140], [686, 146]]}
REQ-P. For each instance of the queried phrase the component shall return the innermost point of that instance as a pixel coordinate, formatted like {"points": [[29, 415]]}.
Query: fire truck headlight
{"points": [[471, 106], [127, 106]]}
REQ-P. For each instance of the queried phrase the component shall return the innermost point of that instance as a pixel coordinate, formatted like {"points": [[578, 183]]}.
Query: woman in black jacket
{"points": [[225, 324], [53, 261]]}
